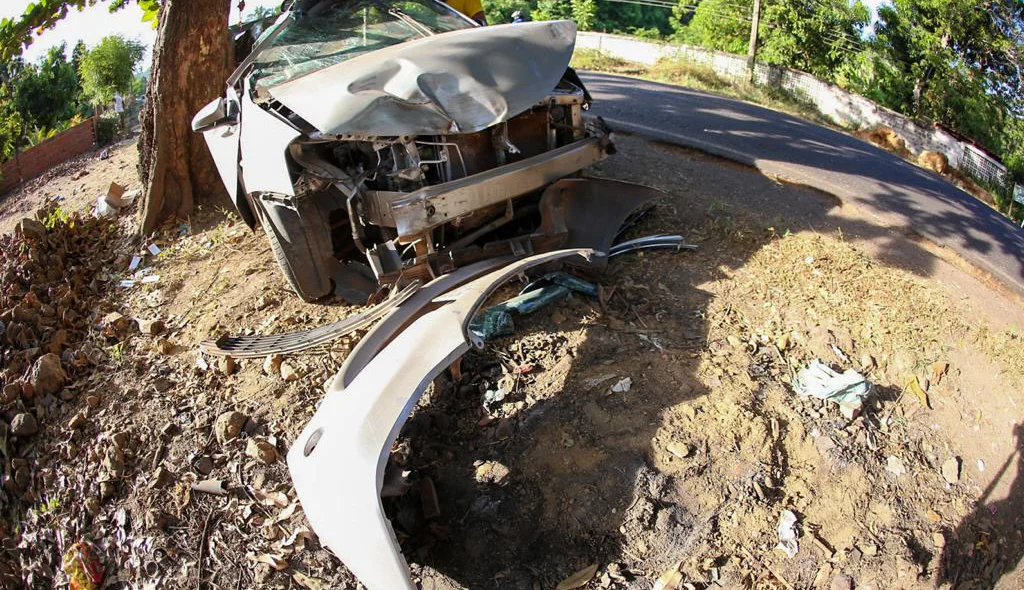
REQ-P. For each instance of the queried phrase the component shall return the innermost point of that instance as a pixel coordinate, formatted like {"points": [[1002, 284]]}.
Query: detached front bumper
{"points": [[337, 462]]}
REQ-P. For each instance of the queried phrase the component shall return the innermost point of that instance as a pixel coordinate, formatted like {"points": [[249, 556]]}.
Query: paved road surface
{"points": [[896, 192]]}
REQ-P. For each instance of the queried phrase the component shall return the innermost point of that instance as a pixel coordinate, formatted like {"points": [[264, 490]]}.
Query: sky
{"points": [[95, 22]]}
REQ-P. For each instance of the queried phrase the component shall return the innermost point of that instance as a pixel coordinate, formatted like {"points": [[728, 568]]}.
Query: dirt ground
{"points": [[687, 469]]}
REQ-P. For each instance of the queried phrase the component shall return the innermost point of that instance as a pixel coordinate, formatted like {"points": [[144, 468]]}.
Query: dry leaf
{"points": [[915, 388], [309, 581], [578, 579], [279, 499], [283, 515], [298, 538], [670, 579], [275, 561]]}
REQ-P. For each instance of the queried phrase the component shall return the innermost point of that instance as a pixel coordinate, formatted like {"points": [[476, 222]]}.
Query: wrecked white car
{"points": [[378, 141], [397, 143]]}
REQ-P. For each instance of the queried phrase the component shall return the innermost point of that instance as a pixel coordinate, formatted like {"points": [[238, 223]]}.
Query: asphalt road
{"points": [[885, 186]]}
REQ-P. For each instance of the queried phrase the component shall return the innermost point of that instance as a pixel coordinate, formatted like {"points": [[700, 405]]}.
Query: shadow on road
{"points": [[880, 183]]}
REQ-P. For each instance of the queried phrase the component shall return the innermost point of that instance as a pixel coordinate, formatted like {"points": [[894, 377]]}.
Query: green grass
{"points": [[684, 73]]}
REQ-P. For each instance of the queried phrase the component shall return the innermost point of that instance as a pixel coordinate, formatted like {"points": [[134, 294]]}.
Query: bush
{"points": [[106, 129]]}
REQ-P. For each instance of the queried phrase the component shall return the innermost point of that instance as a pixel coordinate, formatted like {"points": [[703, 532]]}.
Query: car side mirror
{"points": [[217, 113]]}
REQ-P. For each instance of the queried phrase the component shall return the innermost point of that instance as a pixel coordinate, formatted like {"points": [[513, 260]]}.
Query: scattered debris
{"points": [[289, 373], [210, 486], [228, 425], [277, 344], [914, 386], [579, 579], [670, 579], [84, 569], [622, 385], [788, 535], [24, 424], [491, 472], [272, 365], [150, 327], [951, 470], [261, 449], [496, 321], [894, 465], [848, 389]]}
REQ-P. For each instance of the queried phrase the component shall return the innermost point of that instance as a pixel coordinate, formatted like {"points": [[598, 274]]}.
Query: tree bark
{"points": [[190, 65]]}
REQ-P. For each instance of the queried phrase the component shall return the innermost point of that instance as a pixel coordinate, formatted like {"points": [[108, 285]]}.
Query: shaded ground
{"points": [[693, 464], [890, 191]]}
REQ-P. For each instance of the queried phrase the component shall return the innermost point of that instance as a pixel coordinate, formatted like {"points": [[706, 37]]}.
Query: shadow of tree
{"points": [[574, 473], [895, 191], [988, 544]]}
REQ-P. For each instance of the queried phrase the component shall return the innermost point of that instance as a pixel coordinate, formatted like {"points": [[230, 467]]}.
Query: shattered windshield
{"points": [[329, 32]]}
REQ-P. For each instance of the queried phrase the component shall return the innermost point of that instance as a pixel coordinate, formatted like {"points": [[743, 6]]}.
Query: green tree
{"points": [[46, 94], [500, 11], [190, 64], [820, 38], [553, 10], [957, 62], [620, 17], [584, 12], [11, 123], [716, 24], [109, 68]]}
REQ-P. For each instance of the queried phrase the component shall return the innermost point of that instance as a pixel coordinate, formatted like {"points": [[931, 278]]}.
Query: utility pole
{"points": [[752, 50]]}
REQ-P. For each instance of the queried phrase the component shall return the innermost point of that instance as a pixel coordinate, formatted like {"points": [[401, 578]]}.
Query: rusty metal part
{"points": [[338, 461], [431, 206], [262, 345]]}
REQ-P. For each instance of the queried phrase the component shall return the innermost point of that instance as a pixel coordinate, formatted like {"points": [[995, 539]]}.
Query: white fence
{"points": [[844, 108]]}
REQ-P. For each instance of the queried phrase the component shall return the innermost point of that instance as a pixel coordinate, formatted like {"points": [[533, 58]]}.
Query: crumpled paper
{"points": [[788, 543], [848, 389]]}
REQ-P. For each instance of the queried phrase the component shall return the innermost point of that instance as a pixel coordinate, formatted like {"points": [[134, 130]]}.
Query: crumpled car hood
{"points": [[457, 82]]}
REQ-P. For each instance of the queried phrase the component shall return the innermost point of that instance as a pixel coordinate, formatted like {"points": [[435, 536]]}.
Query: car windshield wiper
{"points": [[278, 26], [405, 18]]}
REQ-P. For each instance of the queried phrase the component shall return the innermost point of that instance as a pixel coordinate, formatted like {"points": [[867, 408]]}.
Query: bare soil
{"points": [[690, 469]]}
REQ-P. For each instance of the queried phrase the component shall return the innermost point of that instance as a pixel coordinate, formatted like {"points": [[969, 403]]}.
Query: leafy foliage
{"points": [[46, 94], [552, 10], [40, 15], [957, 62], [716, 24], [817, 38], [584, 12], [11, 123], [500, 11], [109, 68]]}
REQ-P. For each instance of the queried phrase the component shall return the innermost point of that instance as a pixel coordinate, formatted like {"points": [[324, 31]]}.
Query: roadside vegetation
{"points": [[39, 100], [684, 73], [951, 62]]}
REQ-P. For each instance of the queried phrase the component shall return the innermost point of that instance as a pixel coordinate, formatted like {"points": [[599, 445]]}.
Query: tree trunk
{"points": [[190, 64]]}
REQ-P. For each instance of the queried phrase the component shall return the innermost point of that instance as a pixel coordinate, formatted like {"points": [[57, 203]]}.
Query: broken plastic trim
{"points": [[262, 345], [337, 462], [374, 341], [651, 243]]}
